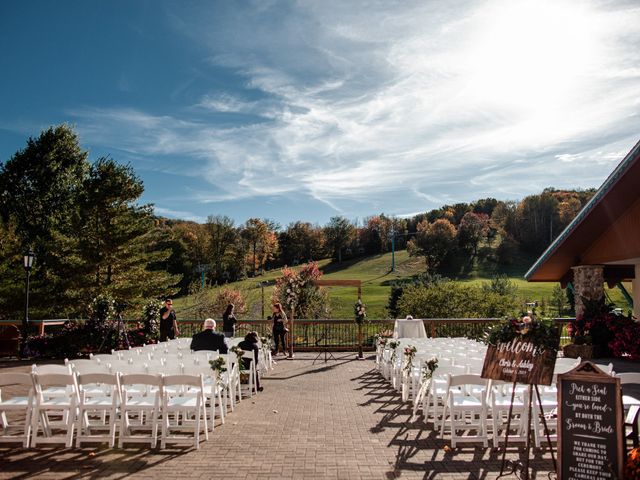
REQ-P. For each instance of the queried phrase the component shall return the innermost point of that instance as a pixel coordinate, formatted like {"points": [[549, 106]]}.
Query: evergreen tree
{"points": [[118, 240], [39, 188]]}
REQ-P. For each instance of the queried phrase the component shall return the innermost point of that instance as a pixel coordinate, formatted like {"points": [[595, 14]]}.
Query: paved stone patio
{"points": [[336, 420]]}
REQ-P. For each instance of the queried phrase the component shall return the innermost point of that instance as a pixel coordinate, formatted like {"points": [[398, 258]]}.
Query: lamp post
{"points": [[28, 264]]}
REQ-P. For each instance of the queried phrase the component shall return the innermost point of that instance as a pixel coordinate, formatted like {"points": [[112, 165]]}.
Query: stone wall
{"points": [[588, 282]]}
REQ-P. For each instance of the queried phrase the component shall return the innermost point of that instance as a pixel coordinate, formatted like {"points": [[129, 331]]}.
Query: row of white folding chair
{"points": [[85, 395], [191, 366]]}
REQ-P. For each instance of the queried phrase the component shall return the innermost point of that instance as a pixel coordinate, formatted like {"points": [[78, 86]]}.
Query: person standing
{"points": [[168, 322], [279, 327], [229, 322]]}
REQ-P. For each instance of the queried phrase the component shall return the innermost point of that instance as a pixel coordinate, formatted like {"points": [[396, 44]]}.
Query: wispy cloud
{"points": [[405, 105]]}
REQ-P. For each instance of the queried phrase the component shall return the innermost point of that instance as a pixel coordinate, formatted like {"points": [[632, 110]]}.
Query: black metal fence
{"points": [[328, 334]]}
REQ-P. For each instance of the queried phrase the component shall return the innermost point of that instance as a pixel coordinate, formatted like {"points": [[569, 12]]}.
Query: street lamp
{"points": [[28, 264]]}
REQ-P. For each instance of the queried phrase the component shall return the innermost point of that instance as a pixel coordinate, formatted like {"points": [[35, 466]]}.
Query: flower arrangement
{"points": [[297, 290], [219, 365], [429, 367], [409, 354], [360, 311], [610, 334], [381, 339], [239, 354], [542, 334], [632, 467], [267, 342], [393, 345]]}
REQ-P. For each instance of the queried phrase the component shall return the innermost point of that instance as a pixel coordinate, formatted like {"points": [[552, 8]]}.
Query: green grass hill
{"points": [[376, 276]]}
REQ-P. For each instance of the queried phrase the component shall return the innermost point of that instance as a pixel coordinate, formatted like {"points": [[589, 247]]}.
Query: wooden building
{"points": [[602, 244]]}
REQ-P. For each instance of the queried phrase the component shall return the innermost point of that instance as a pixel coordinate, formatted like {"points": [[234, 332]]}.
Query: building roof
{"points": [[619, 193]]}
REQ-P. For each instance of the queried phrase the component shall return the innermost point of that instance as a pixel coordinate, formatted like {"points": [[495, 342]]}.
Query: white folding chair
{"points": [[102, 357], [88, 366], [435, 400], [632, 405], [141, 394], [190, 401], [213, 391], [58, 404], [231, 380], [500, 394], [15, 404], [466, 412], [99, 394], [252, 372]]}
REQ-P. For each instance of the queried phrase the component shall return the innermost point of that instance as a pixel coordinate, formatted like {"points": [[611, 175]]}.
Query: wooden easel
{"points": [[525, 468]]}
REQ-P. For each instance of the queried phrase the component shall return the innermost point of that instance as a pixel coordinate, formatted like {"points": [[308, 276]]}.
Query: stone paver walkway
{"points": [[336, 420]]}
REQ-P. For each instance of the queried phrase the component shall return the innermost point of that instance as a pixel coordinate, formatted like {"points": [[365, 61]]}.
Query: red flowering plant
{"points": [[610, 333], [296, 289]]}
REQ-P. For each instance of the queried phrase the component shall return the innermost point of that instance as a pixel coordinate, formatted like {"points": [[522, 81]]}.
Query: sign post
{"points": [[590, 433]]}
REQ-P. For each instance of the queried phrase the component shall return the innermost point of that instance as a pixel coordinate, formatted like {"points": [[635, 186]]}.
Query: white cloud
{"points": [[442, 101]]}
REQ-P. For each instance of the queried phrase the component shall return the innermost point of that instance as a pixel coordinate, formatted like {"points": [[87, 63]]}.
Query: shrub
{"points": [[226, 296], [297, 289], [454, 300]]}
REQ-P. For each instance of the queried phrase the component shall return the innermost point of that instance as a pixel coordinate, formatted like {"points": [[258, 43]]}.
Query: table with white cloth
{"points": [[409, 329]]}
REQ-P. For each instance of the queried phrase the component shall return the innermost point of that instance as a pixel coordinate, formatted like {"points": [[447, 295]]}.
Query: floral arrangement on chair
{"points": [[239, 354], [360, 312], [393, 345], [382, 338], [219, 366], [428, 368], [267, 342], [409, 354]]}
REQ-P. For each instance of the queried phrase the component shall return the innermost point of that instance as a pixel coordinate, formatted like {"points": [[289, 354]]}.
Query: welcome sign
{"points": [[519, 361]]}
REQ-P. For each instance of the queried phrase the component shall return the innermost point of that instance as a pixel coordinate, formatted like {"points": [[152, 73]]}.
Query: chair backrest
{"points": [[629, 377], [135, 368], [101, 357], [467, 379], [190, 380], [15, 378], [51, 369], [88, 366], [199, 369], [140, 379], [53, 380], [94, 378], [450, 370]]}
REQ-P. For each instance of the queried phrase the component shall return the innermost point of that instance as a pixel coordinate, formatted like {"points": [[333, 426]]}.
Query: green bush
{"points": [[454, 300]]}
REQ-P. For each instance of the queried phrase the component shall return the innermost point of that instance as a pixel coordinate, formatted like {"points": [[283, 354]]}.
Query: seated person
{"points": [[208, 339], [250, 344]]}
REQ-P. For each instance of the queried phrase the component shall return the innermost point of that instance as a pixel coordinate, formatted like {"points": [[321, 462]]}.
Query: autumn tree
{"points": [[300, 242], [473, 229], [262, 243], [338, 233], [433, 241]]}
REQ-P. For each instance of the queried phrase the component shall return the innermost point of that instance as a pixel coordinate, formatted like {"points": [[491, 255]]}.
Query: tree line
{"points": [[91, 235]]}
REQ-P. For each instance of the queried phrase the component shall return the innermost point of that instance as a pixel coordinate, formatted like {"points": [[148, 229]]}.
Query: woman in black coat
{"points": [[250, 344]]}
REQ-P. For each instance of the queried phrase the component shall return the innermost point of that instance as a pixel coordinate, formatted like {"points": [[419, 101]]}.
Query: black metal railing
{"points": [[327, 334]]}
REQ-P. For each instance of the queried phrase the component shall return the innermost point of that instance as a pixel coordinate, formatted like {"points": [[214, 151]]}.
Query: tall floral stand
{"points": [[360, 353]]}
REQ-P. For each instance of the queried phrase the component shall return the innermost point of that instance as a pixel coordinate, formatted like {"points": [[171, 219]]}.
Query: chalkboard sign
{"points": [[590, 433], [519, 361]]}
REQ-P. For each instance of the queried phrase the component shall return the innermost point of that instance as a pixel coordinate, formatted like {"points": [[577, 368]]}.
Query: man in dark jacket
{"points": [[208, 339]]}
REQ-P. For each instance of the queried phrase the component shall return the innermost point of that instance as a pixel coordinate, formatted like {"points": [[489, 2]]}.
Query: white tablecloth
{"points": [[409, 329]]}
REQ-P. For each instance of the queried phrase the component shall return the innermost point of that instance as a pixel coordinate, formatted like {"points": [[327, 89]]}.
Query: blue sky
{"points": [[306, 110]]}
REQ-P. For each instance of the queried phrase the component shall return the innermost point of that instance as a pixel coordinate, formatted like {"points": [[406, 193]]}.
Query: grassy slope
{"points": [[375, 274]]}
